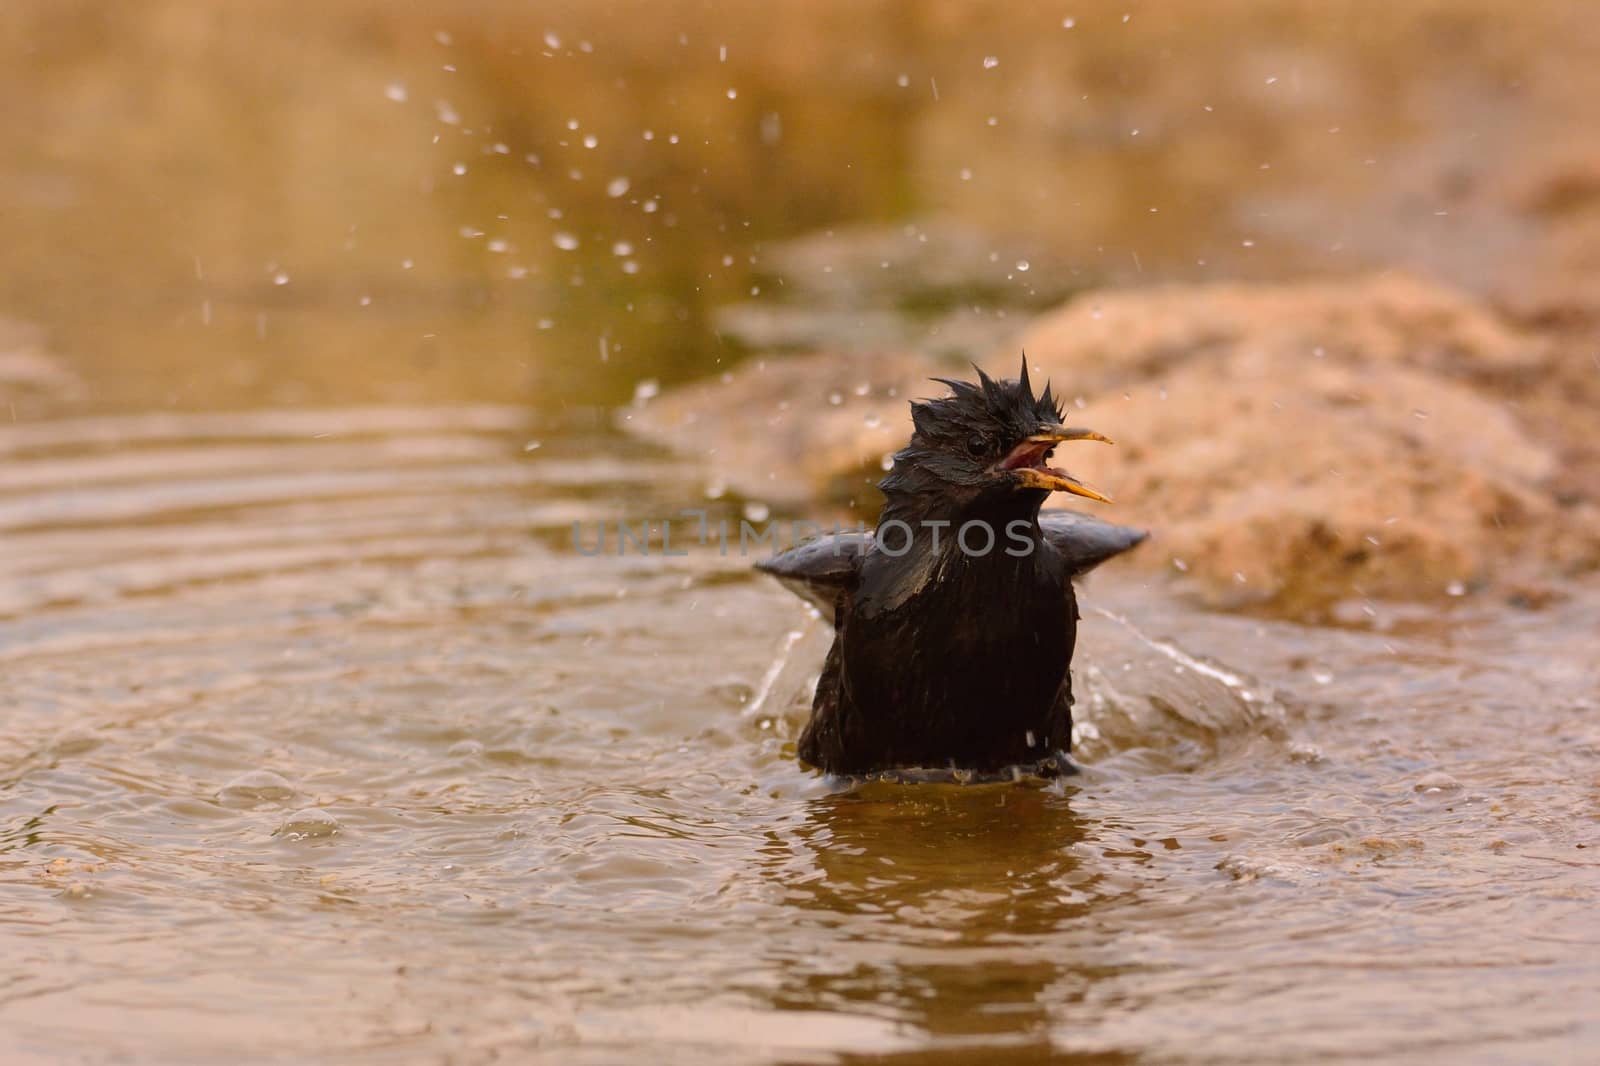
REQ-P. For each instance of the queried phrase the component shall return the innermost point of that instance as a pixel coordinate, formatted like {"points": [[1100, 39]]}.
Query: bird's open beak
{"points": [[1028, 461]]}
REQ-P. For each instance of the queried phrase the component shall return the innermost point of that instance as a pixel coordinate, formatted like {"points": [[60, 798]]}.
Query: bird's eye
{"points": [[977, 446]]}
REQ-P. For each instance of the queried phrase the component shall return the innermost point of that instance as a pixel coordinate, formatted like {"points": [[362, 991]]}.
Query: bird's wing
{"points": [[818, 570], [1084, 540]]}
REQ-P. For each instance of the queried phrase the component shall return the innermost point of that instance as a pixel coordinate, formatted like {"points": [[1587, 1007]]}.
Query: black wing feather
{"points": [[818, 570], [1086, 541]]}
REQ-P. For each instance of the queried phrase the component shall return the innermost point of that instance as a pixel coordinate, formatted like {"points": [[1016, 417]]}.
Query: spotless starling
{"points": [[955, 619]]}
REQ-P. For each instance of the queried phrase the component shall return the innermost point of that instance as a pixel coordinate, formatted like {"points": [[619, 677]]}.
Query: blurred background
{"points": [[323, 321], [302, 202]]}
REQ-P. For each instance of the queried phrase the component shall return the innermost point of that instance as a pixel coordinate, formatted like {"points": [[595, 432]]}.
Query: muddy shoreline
{"points": [[1291, 445]]}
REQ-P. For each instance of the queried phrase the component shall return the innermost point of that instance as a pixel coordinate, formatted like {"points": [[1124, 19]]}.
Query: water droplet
{"points": [[903, 80], [756, 511], [565, 241], [533, 445], [630, 266], [645, 390], [590, 140], [280, 278], [650, 207], [1023, 265], [407, 264], [311, 823], [551, 41], [1068, 22], [716, 490], [733, 94], [990, 62], [617, 187], [396, 92], [254, 788], [459, 169], [835, 398], [1456, 588], [872, 421], [966, 174], [622, 248], [887, 462]]}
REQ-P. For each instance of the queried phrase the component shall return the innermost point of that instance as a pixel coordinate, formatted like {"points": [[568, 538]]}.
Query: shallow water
{"points": [[322, 742]]}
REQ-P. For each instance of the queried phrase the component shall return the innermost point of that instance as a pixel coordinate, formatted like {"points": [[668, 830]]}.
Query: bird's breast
{"points": [[975, 655]]}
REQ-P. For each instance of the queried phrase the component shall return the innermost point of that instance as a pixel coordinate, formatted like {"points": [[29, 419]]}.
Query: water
{"points": [[323, 744]]}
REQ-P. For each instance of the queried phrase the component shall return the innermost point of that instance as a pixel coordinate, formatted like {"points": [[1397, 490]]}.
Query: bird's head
{"points": [[986, 443]]}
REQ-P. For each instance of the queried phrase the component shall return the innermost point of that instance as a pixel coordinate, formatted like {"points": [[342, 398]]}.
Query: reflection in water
{"points": [[956, 900]]}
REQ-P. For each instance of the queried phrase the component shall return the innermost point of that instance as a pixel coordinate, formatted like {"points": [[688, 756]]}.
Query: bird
{"points": [[955, 618]]}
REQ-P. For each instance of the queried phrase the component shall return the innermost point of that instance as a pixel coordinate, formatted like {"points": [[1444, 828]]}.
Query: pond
{"points": [[322, 742]]}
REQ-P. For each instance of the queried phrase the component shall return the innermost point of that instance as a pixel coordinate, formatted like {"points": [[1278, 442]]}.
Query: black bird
{"points": [[955, 620]]}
